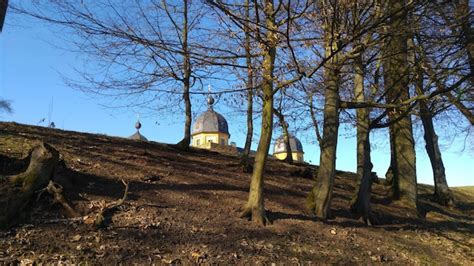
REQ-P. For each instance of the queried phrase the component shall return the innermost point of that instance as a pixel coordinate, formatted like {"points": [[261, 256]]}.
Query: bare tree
{"points": [[148, 52]]}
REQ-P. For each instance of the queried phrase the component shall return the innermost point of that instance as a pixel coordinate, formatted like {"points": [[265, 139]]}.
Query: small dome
{"points": [[280, 146], [210, 122], [137, 135]]}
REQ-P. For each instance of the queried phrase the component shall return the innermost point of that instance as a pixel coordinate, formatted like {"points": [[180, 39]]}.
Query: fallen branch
{"points": [[100, 217]]}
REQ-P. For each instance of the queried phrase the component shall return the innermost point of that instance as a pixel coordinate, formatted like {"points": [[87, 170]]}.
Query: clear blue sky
{"points": [[29, 77]]}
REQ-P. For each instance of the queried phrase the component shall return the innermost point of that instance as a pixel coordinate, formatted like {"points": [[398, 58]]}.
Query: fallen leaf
{"points": [[76, 238]]}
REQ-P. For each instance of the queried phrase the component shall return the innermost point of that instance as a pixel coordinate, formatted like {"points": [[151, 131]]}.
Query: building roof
{"points": [[210, 122], [295, 145], [138, 136]]}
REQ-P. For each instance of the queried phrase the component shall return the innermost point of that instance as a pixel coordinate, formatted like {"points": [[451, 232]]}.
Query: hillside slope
{"points": [[184, 206]]}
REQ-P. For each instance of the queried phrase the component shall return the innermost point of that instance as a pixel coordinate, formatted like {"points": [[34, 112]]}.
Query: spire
{"points": [[210, 100], [137, 135]]}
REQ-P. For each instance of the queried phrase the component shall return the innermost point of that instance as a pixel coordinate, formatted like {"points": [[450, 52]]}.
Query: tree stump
{"points": [[17, 191]]}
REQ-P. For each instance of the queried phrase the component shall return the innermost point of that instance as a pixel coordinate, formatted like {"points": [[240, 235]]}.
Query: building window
{"points": [[198, 142], [222, 142]]}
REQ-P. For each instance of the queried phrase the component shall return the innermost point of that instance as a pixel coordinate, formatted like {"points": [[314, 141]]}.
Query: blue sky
{"points": [[31, 69]]}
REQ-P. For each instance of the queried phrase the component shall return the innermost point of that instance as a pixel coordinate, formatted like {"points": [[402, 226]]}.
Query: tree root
{"points": [[57, 191], [99, 219], [444, 198], [256, 215], [246, 166]]}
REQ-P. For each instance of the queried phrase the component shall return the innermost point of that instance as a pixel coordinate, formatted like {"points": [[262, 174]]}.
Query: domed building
{"points": [[279, 149], [210, 130], [137, 135]]}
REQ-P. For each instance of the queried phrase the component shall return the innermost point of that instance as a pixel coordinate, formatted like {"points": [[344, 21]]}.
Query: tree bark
{"points": [[404, 185], [360, 204], [442, 194], [248, 138], [184, 143], [286, 136], [254, 209], [319, 198], [18, 190], [313, 119]]}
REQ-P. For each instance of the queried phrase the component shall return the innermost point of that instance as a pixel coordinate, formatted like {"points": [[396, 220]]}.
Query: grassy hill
{"points": [[183, 207]]}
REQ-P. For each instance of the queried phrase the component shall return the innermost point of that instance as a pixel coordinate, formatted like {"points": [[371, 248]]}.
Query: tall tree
{"points": [[361, 200], [254, 209], [186, 78], [442, 193], [319, 199], [395, 65]]}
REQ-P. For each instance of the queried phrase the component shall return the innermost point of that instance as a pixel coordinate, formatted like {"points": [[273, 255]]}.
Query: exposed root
{"points": [[444, 198], [183, 144], [256, 215], [99, 219], [57, 191]]}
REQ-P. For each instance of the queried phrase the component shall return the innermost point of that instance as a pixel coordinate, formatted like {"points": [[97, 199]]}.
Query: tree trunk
{"points": [[319, 199], [184, 143], [390, 174], [254, 209], [442, 194], [17, 191], [313, 119], [360, 204], [248, 138], [404, 185], [286, 136]]}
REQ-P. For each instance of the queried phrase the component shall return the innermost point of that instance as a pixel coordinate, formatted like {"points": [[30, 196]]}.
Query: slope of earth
{"points": [[183, 207]]}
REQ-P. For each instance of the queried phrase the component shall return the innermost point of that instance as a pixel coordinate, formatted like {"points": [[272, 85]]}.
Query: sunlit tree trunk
{"points": [[404, 184], [254, 209], [361, 201], [319, 198]]}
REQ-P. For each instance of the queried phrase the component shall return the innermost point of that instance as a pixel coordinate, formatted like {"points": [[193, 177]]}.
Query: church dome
{"points": [[210, 122], [295, 145]]}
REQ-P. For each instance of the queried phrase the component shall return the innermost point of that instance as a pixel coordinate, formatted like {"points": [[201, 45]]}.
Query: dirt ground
{"points": [[183, 207]]}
